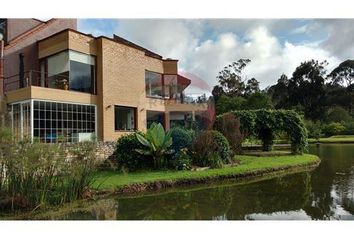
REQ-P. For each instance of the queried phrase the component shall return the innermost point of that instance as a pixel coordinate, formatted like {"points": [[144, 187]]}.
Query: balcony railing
{"points": [[34, 78], [191, 99], [39, 79]]}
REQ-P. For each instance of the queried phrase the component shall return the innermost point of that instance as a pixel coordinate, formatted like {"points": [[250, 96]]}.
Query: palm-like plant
{"points": [[158, 143]]}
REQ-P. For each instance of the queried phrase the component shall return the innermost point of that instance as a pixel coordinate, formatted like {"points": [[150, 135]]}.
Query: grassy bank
{"points": [[334, 139], [250, 166]]}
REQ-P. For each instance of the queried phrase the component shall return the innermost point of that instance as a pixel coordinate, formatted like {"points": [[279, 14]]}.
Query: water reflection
{"points": [[325, 193]]}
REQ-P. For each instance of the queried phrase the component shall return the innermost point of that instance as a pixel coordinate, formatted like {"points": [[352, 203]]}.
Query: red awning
{"points": [[183, 81]]}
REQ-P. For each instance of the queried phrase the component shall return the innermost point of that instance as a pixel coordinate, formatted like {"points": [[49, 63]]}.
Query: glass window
{"points": [[170, 87], [63, 121], [153, 84], [71, 70], [21, 119], [124, 118], [154, 116]]}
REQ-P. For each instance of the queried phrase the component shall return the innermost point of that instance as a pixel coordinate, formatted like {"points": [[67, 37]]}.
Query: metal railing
{"points": [[33, 78], [39, 79]]}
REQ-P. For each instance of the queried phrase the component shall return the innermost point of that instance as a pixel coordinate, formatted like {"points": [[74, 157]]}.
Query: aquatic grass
{"points": [[105, 180], [34, 174]]}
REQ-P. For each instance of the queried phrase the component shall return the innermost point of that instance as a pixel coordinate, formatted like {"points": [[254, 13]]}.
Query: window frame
{"points": [[95, 75], [135, 114], [162, 85]]}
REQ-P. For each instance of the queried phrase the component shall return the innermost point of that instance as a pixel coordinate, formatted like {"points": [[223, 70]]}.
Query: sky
{"points": [[205, 46]]}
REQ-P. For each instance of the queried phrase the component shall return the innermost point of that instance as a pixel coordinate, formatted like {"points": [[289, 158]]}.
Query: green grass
{"points": [[113, 180], [334, 139]]}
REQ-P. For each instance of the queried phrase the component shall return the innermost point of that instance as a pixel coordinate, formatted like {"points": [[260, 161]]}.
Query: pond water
{"points": [[325, 193]]}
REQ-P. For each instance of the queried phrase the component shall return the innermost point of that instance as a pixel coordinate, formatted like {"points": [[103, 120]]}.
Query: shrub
{"points": [[349, 128], [314, 130], [181, 138], [156, 143], [338, 114], [126, 156], [229, 126], [39, 174], [333, 129], [181, 160], [207, 145], [215, 161]]}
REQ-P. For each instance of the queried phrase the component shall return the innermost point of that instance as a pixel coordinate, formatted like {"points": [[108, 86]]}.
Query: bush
{"points": [[35, 174], [127, 157], [229, 126], [338, 114], [181, 160], [314, 130], [181, 138], [215, 161], [333, 129], [349, 128], [207, 145]]}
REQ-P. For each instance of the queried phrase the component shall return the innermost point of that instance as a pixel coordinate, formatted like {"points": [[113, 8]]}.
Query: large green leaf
{"points": [[143, 140], [160, 134]]}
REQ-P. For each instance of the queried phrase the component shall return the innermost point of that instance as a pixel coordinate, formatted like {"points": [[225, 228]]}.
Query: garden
{"points": [[35, 175]]}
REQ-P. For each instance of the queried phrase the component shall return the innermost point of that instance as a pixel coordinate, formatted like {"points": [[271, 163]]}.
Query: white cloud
{"points": [[204, 47]]}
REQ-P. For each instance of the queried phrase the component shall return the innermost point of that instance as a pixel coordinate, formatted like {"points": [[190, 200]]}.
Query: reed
{"points": [[35, 174]]}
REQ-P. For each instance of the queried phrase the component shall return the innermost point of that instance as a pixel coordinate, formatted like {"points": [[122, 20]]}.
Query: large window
{"points": [[153, 84], [55, 121], [21, 119], [124, 118], [155, 116], [71, 70]]}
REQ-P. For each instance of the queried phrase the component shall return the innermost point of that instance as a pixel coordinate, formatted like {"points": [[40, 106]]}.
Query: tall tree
{"points": [[231, 79], [306, 87], [252, 87], [279, 92], [343, 74]]}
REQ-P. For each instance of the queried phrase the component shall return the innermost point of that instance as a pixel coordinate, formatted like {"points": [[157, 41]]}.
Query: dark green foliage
{"points": [[349, 128], [207, 145], [257, 100], [155, 143], [126, 156], [265, 123], [338, 114], [181, 138], [181, 160], [230, 78], [229, 126], [226, 104], [215, 161], [314, 129], [332, 129], [344, 73]]}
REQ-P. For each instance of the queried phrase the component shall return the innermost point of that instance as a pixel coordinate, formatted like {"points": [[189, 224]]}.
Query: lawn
{"points": [[115, 180], [334, 139]]}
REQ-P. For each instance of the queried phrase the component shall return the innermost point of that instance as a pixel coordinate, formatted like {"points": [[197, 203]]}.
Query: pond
{"points": [[325, 193]]}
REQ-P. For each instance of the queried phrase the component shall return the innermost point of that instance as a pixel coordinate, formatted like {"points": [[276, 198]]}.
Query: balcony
{"points": [[47, 80]]}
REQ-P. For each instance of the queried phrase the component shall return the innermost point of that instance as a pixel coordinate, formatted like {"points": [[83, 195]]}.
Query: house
{"points": [[59, 83]]}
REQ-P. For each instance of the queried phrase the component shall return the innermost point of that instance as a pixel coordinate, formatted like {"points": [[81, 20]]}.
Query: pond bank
{"points": [[334, 139], [249, 167]]}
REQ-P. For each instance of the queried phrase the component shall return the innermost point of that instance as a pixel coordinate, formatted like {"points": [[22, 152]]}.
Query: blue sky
{"points": [[205, 46]]}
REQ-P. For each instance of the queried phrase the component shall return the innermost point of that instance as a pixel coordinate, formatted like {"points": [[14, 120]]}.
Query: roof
{"points": [[133, 45], [116, 39]]}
